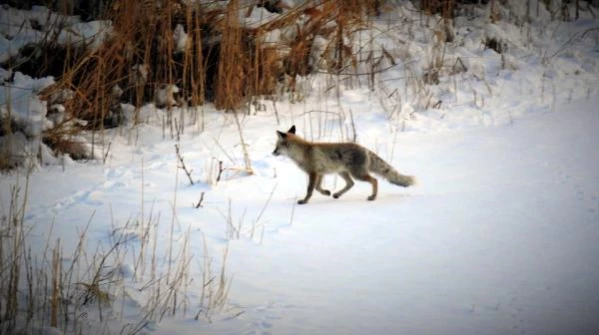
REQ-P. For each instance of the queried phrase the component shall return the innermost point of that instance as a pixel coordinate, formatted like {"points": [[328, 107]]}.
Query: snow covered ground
{"points": [[499, 237]]}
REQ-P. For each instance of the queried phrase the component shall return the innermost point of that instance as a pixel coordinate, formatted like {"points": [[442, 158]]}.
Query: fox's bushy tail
{"points": [[383, 169]]}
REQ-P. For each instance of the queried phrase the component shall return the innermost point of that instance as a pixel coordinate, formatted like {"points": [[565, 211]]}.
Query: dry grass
{"points": [[221, 59], [175, 53], [48, 287]]}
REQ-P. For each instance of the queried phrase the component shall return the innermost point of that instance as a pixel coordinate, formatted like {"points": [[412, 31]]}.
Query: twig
{"points": [[187, 172], [223, 150], [246, 156], [266, 204], [571, 40], [588, 31], [220, 170], [292, 211], [199, 204], [274, 104], [353, 126]]}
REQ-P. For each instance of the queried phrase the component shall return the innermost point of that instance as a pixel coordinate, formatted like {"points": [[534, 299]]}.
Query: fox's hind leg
{"points": [[364, 176], [319, 186], [349, 183]]}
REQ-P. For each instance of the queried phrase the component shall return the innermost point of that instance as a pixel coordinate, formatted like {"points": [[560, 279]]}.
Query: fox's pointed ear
{"points": [[281, 134], [291, 130]]}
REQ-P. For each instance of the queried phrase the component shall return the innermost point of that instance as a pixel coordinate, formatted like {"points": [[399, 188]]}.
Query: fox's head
{"points": [[283, 144]]}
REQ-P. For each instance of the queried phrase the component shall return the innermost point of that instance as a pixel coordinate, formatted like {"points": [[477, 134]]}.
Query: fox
{"points": [[343, 158]]}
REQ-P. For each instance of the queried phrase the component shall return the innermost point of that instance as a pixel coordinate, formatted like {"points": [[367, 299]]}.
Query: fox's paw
{"points": [[325, 192], [301, 202], [336, 195], [371, 197]]}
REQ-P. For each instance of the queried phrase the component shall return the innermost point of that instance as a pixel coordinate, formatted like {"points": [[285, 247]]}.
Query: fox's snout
{"points": [[276, 152]]}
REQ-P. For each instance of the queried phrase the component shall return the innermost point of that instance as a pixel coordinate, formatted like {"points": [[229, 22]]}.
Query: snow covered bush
{"points": [[36, 131]]}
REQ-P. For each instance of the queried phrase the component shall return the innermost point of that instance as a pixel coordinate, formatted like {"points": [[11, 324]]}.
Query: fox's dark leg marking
{"points": [[364, 176], [319, 187], [349, 183], [311, 184]]}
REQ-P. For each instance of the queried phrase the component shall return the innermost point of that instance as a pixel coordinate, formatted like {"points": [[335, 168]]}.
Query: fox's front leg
{"points": [[319, 186], [311, 184]]}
